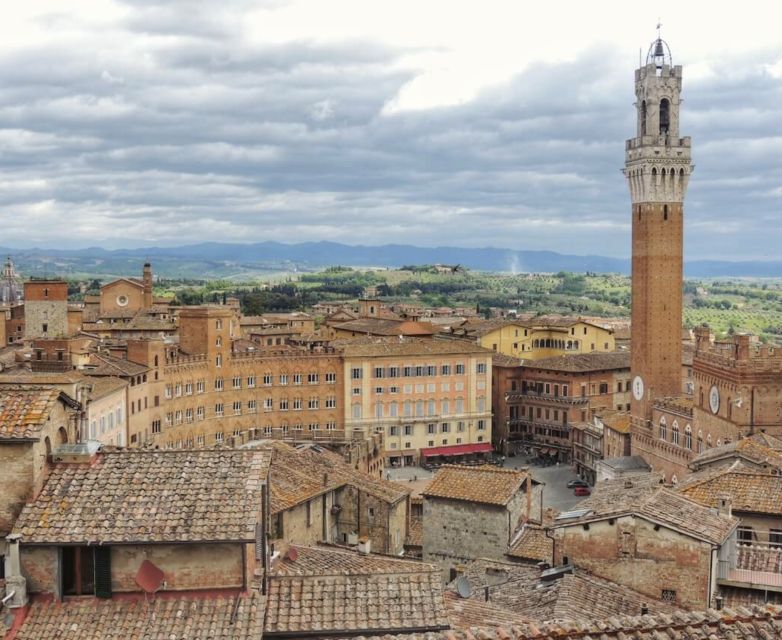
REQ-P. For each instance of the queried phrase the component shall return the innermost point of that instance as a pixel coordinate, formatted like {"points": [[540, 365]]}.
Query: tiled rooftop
{"points": [[485, 484], [531, 543], [24, 410], [750, 490], [102, 364], [760, 448], [739, 623], [149, 496], [332, 591], [302, 473], [645, 496], [329, 559], [582, 362], [358, 347], [575, 596], [185, 618]]}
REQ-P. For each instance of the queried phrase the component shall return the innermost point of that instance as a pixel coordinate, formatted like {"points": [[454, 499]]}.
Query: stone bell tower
{"points": [[657, 168]]}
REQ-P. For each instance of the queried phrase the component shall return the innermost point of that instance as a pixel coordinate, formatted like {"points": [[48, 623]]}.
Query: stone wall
{"points": [[630, 552], [456, 532]]}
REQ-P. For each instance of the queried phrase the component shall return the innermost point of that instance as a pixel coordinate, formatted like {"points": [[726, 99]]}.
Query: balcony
{"points": [[570, 401], [756, 566]]}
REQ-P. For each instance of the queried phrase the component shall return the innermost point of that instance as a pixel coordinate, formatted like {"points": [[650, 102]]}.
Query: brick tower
{"points": [[657, 168]]}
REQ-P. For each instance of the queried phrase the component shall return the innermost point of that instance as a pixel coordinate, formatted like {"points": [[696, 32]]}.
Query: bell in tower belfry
{"points": [[657, 167]]}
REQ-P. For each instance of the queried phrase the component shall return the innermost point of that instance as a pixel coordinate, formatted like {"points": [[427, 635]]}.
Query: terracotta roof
{"points": [[105, 385], [531, 543], [469, 613], [387, 327], [356, 347], [336, 592], [415, 534], [580, 362], [644, 496], [102, 364], [302, 473], [739, 623], [330, 559], [750, 490], [760, 449], [484, 484], [193, 618], [578, 595], [24, 410], [502, 360], [149, 496]]}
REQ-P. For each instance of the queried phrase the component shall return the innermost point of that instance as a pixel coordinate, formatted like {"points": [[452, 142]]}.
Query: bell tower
{"points": [[657, 168]]}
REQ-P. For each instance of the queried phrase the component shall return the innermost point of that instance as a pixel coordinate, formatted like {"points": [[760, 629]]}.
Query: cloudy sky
{"points": [[427, 122]]}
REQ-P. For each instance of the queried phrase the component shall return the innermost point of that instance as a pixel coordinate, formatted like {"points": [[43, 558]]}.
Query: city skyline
{"points": [[127, 125]]}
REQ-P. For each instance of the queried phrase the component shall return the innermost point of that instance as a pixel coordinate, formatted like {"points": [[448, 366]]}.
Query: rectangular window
{"points": [[480, 367], [313, 403], [268, 404], [200, 386], [219, 437], [445, 370], [219, 409], [284, 379], [393, 372], [312, 378], [408, 430], [237, 408], [331, 402], [380, 372], [393, 431], [218, 384], [267, 379], [331, 377], [445, 427], [296, 378], [356, 373], [431, 428], [284, 404], [189, 389], [251, 382], [297, 404], [459, 369], [200, 413], [155, 426]]}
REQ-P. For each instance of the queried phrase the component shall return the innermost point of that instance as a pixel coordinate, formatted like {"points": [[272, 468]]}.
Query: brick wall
{"points": [[630, 552]]}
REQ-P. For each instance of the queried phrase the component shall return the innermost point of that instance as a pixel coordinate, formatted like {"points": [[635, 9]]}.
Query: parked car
{"points": [[582, 491], [577, 483]]}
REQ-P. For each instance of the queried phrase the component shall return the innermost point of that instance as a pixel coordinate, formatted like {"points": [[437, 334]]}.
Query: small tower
{"points": [[147, 280], [657, 167], [10, 285]]}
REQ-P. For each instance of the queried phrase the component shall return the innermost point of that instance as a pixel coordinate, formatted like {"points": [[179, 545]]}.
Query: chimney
{"points": [[644, 609], [725, 505], [364, 546], [15, 582]]}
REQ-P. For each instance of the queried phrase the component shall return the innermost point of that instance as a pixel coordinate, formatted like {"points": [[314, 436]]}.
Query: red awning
{"points": [[458, 449]]}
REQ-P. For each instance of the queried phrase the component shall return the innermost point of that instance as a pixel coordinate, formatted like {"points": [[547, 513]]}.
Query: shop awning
{"points": [[458, 449]]}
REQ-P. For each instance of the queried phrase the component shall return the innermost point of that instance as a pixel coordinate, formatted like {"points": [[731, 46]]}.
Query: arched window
{"points": [[378, 409], [665, 210], [675, 432], [663, 429], [665, 115], [643, 117], [674, 480], [700, 441], [708, 441], [688, 437]]}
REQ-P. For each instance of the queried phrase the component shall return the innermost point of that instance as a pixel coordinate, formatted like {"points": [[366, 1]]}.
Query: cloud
{"points": [[178, 122]]}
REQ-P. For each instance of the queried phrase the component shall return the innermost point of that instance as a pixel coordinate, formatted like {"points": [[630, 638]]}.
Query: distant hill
{"points": [[219, 260]]}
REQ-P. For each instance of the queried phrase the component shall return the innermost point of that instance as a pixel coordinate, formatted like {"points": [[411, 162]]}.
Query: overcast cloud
{"points": [[429, 123]]}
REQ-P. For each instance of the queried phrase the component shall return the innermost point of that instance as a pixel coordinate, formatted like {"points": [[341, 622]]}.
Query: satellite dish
{"points": [[463, 587], [293, 554]]}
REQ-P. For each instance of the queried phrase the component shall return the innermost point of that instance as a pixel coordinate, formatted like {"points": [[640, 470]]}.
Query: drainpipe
{"points": [[15, 582]]}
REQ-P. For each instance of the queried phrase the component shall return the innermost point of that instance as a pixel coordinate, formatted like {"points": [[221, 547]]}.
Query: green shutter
{"points": [[102, 572]]}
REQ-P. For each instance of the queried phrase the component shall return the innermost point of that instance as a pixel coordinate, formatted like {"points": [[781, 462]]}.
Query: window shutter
{"points": [[102, 572]]}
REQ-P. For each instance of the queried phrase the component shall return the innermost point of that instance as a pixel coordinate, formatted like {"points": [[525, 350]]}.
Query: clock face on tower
{"points": [[638, 388], [714, 399]]}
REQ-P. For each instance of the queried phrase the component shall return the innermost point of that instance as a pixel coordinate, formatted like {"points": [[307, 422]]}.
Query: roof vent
{"points": [[628, 484]]}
